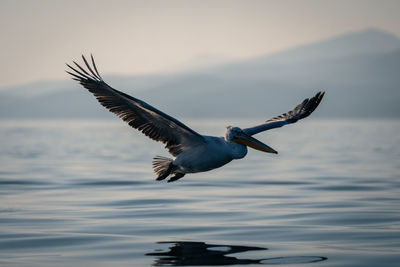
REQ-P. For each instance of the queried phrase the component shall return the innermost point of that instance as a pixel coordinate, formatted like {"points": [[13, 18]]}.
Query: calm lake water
{"points": [[82, 193]]}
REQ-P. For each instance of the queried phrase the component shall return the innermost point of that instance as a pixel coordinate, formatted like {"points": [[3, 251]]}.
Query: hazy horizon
{"points": [[193, 66], [358, 70]]}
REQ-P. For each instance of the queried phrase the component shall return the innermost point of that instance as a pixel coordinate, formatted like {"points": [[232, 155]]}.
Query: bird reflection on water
{"points": [[201, 254]]}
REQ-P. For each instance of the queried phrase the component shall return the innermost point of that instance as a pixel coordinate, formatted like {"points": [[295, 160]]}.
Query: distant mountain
{"points": [[369, 41], [359, 72]]}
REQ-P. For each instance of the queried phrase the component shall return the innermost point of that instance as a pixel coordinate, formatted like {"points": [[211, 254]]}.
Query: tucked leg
{"points": [[177, 176]]}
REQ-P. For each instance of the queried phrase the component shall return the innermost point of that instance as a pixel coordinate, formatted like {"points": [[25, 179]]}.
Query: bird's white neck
{"points": [[238, 151]]}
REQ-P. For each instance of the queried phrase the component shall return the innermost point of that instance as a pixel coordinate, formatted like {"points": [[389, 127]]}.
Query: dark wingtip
{"points": [[75, 77], [320, 96], [69, 73], [94, 66], [89, 68], [84, 74]]}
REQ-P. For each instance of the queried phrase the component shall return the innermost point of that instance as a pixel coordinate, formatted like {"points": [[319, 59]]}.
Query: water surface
{"points": [[83, 193]]}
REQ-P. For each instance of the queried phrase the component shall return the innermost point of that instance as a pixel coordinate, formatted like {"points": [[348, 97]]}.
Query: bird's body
{"points": [[214, 153], [192, 152]]}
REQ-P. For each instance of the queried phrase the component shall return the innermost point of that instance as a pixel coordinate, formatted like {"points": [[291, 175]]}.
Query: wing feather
{"points": [[301, 111], [138, 114]]}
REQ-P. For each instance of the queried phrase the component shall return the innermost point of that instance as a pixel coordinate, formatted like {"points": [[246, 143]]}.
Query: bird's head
{"points": [[237, 135]]}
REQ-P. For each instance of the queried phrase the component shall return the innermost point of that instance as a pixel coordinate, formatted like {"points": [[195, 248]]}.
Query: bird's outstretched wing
{"points": [[299, 112], [138, 114]]}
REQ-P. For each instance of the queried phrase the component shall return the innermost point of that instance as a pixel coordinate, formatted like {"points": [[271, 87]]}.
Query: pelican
{"points": [[191, 151]]}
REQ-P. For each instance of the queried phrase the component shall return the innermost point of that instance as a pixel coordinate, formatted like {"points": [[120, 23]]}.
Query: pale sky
{"points": [[138, 37]]}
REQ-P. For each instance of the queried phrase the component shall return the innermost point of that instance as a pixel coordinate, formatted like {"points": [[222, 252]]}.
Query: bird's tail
{"points": [[162, 166]]}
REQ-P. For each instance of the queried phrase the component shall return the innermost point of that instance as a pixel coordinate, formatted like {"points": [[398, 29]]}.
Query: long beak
{"points": [[247, 140]]}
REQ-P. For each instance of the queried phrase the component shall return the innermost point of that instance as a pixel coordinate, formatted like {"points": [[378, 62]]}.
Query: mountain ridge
{"points": [[360, 82]]}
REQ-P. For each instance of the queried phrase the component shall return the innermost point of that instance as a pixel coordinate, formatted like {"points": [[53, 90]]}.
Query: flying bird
{"points": [[191, 151]]}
